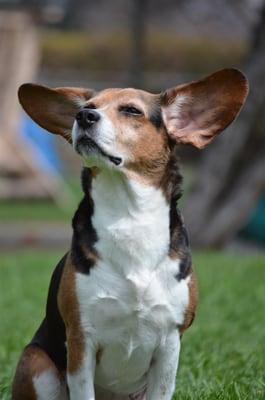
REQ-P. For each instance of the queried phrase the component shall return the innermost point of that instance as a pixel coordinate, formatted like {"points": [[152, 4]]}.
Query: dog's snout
{"points": [[87, 117]]}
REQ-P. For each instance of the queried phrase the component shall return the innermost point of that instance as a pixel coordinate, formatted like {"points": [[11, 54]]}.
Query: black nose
{"points": [[87, 117]]}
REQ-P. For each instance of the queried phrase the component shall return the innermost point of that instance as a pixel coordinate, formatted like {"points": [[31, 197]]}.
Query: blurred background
{"points": [[149, 44]]}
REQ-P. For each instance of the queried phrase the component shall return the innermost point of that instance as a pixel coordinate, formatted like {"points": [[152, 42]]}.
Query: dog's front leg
{"points": [[81, 361], [162, 374]]}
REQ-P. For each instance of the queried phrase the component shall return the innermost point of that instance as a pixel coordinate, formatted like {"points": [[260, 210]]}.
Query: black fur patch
{"points": [[179, 242], [172, 179], [156, 116], [51, 335], [83, 253], [184, 267]]}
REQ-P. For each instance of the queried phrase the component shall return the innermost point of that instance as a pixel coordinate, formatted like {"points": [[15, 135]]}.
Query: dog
{"points": [[121, 298]]}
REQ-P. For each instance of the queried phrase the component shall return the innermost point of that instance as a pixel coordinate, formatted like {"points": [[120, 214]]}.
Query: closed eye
{"points": [[130, 110], [90, 106]]}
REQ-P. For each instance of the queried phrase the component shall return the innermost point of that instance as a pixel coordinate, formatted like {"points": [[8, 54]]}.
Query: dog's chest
{"points": [[111, 303], [131, 300], [128, 318]]}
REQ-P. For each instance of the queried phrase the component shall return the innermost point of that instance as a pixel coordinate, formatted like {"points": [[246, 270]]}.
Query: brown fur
{"points": [[193, 300], [94, 172], [91, 256], [207, 107], [69, 309], [53, 109], [32, 363], [148, 144]]}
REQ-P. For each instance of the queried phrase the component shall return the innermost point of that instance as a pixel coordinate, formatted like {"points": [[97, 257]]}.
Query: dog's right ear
{"points": [[53, 109]]}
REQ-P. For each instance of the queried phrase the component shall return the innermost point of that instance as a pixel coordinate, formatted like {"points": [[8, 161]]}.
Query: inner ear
{"points": [[53, 109], [195, 113]]}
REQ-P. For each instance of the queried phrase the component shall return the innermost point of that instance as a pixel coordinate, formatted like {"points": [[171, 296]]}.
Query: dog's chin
{"points": [[94, 156], [95, 160]]}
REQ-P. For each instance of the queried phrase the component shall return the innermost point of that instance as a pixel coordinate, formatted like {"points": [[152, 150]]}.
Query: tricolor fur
{"points": [[121, 298]]}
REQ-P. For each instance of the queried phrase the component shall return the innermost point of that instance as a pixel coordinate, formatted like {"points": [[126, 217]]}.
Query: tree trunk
{"points": [[231, 176], [138, 31]]}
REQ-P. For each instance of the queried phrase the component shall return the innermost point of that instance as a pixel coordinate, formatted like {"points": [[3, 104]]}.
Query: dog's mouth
{"points": [[87, 145]]}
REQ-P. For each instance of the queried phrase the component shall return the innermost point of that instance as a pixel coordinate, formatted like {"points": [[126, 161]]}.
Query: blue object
{"points": [[255, 228], [44, 145]]}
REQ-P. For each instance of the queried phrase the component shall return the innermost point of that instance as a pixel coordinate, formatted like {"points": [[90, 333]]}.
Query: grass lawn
{"points": [[223, 354], [41, 210]]}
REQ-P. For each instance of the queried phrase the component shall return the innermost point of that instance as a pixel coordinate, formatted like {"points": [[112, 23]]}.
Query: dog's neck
{"points": [[116, 196], [120, 218], [131, 221]]}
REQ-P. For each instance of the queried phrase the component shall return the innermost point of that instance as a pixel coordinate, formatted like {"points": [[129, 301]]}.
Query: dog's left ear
{"points": [[194, 113], [53, 109]]}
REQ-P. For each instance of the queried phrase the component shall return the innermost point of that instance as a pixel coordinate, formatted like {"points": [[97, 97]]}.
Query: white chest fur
{"points": [[131, 301]]}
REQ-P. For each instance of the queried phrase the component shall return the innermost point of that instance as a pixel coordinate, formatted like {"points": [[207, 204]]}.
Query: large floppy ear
{"points": [[194, 113], [53, 109]]}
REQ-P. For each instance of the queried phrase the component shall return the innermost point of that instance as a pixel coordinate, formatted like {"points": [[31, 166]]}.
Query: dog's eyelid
{"points": [[130, 109]]}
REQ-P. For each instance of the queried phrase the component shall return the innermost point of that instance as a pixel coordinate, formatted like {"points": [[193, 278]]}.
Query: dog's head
{"points": [[132, 130]]}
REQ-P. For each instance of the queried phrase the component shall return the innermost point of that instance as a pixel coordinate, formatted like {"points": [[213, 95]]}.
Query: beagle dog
{"points": [[121, 298]]}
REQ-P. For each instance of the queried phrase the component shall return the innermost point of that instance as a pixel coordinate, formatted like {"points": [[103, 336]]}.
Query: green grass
{"points": [[33, 211], [222, 354], [42, 210]]}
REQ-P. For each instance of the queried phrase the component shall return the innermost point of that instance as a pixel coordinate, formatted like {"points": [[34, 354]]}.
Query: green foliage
{"points": [[82, 51], [222, 356], [163, 52], [222, 353], [24, 279], [42, 210]]}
